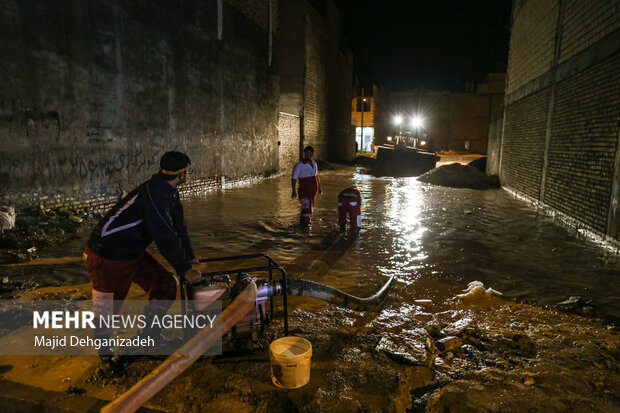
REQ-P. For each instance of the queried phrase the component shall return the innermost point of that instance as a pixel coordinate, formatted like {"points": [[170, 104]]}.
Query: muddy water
{"points": [[433, 239]]}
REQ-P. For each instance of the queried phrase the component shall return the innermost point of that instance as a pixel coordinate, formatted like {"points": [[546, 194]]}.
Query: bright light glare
{"points": [[398, 119], [389, 138], [422, 143], [417, 121]]}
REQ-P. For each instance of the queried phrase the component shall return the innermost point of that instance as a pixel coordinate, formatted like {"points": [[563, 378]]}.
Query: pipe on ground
{"points": [[307, 288], [142, 391]]}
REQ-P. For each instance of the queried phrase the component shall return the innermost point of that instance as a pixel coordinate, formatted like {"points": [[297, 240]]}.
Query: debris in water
{"points": [[577, 305], [475, 289], [403, 351]]}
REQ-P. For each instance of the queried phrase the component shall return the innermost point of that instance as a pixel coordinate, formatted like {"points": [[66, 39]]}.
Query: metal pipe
{"points": [[142, 391], [307, 288]]}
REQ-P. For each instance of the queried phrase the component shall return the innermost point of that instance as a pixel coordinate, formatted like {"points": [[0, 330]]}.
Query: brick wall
{"points": [[532, 42], [524, 143], [586, 22], [316, 76], [340, 90], [584, 139], [288, 127], [98, 91], [315, 87], [560, 144]]}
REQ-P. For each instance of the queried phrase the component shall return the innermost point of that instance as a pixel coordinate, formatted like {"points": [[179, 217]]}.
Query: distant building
{"points": [[457, 122], [364, 109], [363, 118]]}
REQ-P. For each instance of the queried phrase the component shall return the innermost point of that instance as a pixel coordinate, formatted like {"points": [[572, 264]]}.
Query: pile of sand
{"points": [[460, 176]]}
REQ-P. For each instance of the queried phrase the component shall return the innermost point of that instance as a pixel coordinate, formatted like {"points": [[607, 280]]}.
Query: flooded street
{"points": [[444, 353], [435, 240]]}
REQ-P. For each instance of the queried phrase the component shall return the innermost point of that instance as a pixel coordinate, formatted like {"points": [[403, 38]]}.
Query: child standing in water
{"points": [[349, 203]]}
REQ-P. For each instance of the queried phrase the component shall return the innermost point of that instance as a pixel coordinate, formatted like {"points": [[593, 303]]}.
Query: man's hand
{"points": [[321, 191], [195, 260], [294, 194], [193, 276]]}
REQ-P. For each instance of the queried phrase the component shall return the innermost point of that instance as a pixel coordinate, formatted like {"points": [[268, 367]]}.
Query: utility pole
{"points": [[362, 131]]}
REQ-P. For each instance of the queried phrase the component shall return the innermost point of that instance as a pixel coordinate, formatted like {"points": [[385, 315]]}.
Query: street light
{"points": [[417, 122]]}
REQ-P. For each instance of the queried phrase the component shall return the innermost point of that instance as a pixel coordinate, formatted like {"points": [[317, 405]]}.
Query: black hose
{"points": [[307, 288]]}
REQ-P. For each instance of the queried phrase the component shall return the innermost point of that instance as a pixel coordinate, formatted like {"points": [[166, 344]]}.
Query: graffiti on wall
{"points": [[35, 123], [68, 168], [98, 133]]}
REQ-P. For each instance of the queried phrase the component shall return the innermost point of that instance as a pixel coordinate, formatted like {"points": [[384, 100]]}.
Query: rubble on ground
{"points": [[460, 176], [36, 227]]}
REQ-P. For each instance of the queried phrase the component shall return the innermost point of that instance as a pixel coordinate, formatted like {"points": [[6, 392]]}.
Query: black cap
{"points": [[172, 162]]}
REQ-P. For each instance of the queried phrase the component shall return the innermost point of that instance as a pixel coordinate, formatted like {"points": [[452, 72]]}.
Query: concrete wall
{"points": [[561, 131], [495, 141], [93, 93]]}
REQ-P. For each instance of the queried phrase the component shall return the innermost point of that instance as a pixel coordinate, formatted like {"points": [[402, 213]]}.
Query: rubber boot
{"points": [[110, 364]]}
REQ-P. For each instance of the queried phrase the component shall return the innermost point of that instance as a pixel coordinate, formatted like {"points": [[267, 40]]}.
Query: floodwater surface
{"points": [[434, 240]]}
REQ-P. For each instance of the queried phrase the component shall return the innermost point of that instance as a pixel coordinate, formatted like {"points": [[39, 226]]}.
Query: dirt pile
{"points": [[456, 175]]}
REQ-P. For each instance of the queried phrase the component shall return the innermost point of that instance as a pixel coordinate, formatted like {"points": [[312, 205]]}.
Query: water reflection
{"points": [[433, 239], [405, 202]]}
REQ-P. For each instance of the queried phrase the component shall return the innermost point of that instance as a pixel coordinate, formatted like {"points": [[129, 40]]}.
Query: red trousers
{"points": [[307, 190], [112, 279], [307, 208], [348, 206], [112, 276]]}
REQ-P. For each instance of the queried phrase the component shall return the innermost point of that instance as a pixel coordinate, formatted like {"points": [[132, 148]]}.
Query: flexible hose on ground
{"points": [[307, 288]]}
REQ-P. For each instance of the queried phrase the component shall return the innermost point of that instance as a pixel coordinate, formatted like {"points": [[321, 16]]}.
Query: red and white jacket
{"points": [[307, 174]]}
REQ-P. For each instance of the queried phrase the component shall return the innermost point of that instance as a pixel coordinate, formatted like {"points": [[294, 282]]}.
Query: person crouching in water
{"points": [[307, 173], [116, 253], [349, 203]]}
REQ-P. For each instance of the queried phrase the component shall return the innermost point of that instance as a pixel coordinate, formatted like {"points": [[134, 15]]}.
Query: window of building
{"points": [[365, 105], [467, 145], [365, 143]]}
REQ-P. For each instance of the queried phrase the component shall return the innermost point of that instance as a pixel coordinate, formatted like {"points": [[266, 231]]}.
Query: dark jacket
{"points": [[151, 212]]}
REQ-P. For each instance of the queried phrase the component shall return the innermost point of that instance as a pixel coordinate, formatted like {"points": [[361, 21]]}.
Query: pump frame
{"points": [[270, 267]]}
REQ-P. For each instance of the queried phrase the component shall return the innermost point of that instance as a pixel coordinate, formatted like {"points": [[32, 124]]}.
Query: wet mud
{"points": [[476, 352]]}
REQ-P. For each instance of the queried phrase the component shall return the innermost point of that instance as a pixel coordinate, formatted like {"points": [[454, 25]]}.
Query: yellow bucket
{"points": [[290, 362]]}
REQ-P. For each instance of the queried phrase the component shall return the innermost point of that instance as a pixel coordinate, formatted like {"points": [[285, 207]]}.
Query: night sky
{"points": [[436, 44]]}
